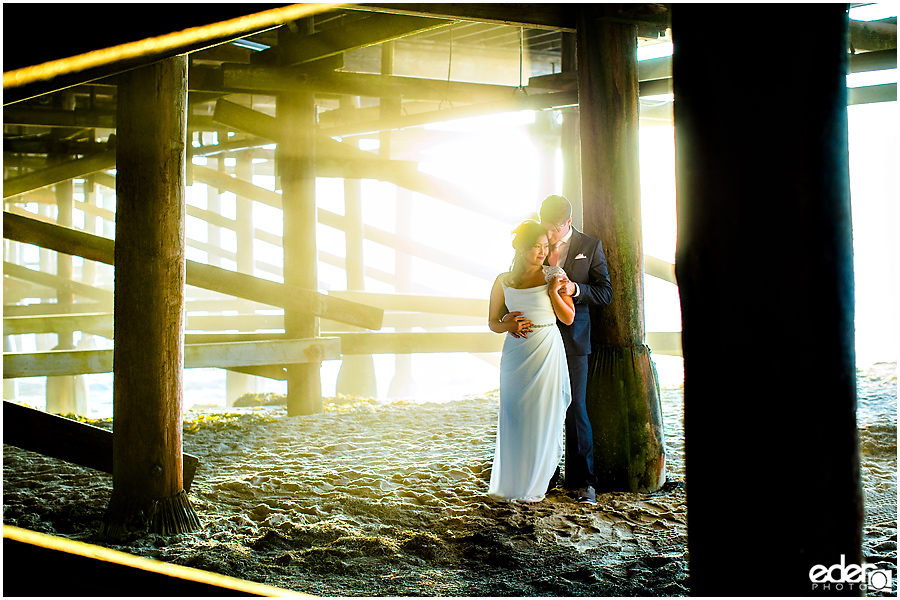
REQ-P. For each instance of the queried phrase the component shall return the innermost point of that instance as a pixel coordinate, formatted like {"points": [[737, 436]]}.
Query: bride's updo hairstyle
{"points": [[525, 236]]}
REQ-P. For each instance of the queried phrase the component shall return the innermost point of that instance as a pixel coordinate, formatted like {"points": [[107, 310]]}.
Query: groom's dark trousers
{"points": [[585, 265]]}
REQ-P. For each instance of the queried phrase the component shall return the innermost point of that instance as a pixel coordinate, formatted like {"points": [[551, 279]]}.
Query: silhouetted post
{"points": [[765, 273], [296, 163], [148, 359], [623, 391]]}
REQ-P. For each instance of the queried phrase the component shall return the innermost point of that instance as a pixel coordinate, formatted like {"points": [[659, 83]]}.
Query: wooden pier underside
{"points": [[289, 94]]}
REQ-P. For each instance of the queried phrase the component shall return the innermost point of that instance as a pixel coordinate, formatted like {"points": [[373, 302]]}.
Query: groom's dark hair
{"points": [[555, 210]]}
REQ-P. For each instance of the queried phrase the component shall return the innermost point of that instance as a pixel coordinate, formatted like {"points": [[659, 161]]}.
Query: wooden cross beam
{"points": [[223, 355], [364, 32], [98, 323], [59, 283], [59, 173], [276, 79], [519, 103], [78, 243], [68, 440], [402, 173]]}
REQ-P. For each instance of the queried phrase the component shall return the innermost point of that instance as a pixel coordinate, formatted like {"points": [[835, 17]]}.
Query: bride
{"points": [[534, 379]]}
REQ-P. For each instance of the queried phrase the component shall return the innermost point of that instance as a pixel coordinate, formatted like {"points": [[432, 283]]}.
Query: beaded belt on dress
{"points": [[544, 325]]}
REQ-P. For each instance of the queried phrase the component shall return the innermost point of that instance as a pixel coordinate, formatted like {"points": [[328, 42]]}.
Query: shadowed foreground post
{"points": [[765, 273], [148, 358], [623, 391]]}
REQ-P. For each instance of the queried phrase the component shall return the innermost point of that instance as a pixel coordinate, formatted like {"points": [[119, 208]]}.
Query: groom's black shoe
{"points": [[587, 495], [554, 481]]}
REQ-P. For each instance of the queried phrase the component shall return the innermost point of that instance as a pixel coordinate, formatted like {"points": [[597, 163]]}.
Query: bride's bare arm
{"points": [[563, 305], [501, 321]]}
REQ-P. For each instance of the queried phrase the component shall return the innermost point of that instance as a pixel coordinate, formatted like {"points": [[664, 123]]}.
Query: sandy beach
{"points": [[369, 499]]}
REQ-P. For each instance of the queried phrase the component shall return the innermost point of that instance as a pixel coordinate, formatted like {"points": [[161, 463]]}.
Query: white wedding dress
{"points": [[534, 396]]}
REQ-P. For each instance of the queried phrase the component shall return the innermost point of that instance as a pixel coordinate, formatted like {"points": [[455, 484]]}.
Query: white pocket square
{"points": [[580, 256]]}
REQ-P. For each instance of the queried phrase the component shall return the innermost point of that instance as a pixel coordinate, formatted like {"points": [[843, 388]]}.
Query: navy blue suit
{"points": [[585, 265]]}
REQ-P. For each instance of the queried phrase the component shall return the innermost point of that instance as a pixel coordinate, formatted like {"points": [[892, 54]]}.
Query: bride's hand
{"points": [[521, 326], [560, 284]]}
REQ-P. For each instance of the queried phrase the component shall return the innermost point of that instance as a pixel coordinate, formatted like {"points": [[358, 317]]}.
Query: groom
{"points": [[582, 258]]}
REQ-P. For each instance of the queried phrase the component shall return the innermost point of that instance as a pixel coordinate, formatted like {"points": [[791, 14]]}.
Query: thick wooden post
{"points": [[623, 392], [297, 168], [148, 494], [765, 274]]}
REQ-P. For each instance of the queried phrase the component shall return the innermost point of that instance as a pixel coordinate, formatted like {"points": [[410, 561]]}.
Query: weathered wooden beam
{"points": [[398, 173], [873, 35], [66, 439], [553, 100], [59, 173], [245, 322], [361, 33], [267, 352], [53, 237], [28, 82], [196, 356], [282, 295], [99, 323], [334, 157], [78, 117], [78, 243], [657, 267], [667, 343], [415, 342], [58, 283], [476, 307], [49, 309], [538, 16], [871, 94], [239, 187], [277, 79], [47, 145], [873, 61]]}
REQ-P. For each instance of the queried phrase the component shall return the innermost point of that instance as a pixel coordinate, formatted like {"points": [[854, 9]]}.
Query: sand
{"points": [[371, 499]]}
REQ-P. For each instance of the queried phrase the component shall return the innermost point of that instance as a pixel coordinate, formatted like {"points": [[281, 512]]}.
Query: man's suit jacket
{"points": [[585, 265]]}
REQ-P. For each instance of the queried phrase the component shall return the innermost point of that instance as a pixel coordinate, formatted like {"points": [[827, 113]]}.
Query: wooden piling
{"points": [[148, 494], [238, 384], [570, 139], [296, 163], [623, 391], [767, 194], [61, 394], [356, 376]]}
